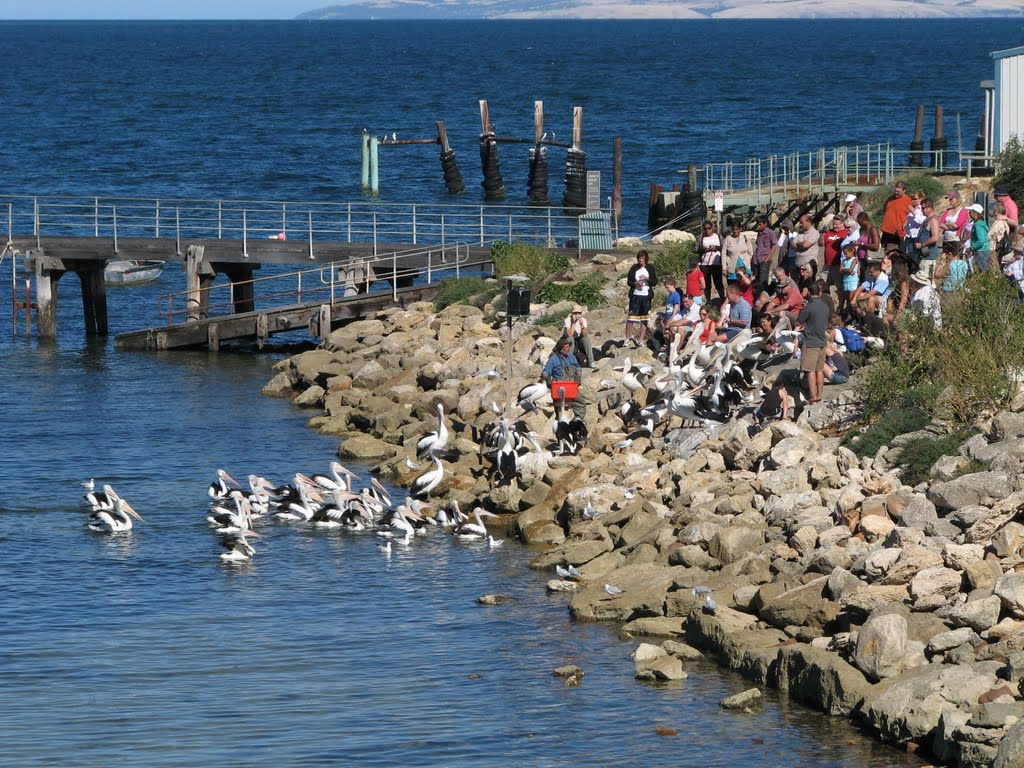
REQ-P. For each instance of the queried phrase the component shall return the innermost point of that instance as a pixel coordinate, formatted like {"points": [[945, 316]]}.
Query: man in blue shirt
{"points": [[563, 366], [740, 313], [876, 284]]}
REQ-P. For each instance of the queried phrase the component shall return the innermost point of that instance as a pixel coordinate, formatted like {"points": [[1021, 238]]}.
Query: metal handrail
{"points": [[327, 279], [417, 223]]}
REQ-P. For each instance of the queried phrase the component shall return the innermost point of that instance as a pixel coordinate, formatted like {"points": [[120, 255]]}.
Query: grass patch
{"points": [[465, 290], [973, 466], [535, 263], [673, 260], [586, 292]]}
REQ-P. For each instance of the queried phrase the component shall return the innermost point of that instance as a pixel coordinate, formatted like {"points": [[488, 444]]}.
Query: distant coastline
{"points": [[623, 10]]}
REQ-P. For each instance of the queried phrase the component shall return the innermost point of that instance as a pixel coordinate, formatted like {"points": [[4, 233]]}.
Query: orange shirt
{"points": [[895, 218]]}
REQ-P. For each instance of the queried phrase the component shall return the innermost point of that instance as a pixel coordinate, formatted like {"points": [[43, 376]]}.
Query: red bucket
{"points": [[566, 389]]}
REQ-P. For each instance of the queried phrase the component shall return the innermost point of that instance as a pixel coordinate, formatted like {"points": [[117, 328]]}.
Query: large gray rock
{"points": [[1008, 540], [936, 581], [960, 556], [945, 641], [1011, 748], [909, 710], [882, 646], [979, 614], [915, 512], [1010, 590], [730, 545], [1006, 425], [644, 586], [983, 488], [819, 678]]}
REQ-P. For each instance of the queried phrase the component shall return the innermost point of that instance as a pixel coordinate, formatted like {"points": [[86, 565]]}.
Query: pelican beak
{"points": [[128, 508], [232, 480]]}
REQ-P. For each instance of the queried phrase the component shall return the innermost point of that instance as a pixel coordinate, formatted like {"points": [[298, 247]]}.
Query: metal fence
{"points": [[365, 222]]}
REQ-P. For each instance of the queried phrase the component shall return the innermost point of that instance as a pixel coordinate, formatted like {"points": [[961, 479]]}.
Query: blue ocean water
{"points": [[145, 649]]}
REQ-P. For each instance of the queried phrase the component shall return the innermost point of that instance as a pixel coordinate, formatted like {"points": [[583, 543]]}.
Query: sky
{"points": [[156, 9]]}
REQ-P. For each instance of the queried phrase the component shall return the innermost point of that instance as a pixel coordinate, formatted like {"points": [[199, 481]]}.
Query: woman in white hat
{"points": [[851, 210], [979, 244], [576, 329]]}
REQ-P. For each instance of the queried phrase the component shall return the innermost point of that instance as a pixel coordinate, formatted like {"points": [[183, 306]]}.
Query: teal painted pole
{"points": [[366, 160], [374, 187]]}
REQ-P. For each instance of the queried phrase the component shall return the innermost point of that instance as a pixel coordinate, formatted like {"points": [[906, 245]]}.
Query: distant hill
{"points": [[667, 9]]}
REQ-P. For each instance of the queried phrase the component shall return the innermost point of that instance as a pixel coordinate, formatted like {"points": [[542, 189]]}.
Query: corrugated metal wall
{"points": [[1009, 98]]}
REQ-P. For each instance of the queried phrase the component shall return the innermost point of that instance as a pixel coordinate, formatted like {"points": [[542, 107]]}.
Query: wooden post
{"points": [[213, 337], [538, 121], [243, 294], [617, 177], [449, 166], [485, 117], [94, 297], [577, 128], [198, 277], [46, 297]]}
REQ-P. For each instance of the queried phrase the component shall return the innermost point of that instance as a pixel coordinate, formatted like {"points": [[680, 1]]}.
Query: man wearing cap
{"points": [[563, 366], [979, 244], [925, 300], [577, 330], [894, 219], [1012, 214], [851, 210]]}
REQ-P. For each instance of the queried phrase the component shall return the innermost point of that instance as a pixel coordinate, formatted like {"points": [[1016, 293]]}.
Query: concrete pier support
{"points": [[48, 272], [243, 296], [198, 276]]}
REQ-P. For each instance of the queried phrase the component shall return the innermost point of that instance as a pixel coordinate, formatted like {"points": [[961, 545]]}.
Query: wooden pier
{"points": [[338, 254]]}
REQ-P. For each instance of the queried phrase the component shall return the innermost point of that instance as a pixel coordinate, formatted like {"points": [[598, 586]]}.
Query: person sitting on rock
{"points": [[563, 366], [577, 330], [775, 405]]}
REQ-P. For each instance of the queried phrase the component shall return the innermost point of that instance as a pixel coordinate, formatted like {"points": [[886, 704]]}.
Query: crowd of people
{"points": [[845, 285]]}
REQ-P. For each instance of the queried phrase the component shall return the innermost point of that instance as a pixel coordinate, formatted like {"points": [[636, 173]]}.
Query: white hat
{"points": [[917, 277], [850, 198], [976, 208]]}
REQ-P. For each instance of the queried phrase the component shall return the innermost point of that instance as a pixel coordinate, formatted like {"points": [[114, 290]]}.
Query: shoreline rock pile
{"points": [[830, 579]]}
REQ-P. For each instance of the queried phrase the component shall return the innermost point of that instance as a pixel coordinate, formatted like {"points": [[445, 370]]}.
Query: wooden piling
{"points": [[449, 166], [243, 296], [199, 275], [494, 187], [365, 146], [916, 157], [537, 183], [939, 144], [374, 173], [94, 297]]}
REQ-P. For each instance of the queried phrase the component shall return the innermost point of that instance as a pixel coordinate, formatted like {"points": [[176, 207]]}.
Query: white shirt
{"points": [[640, 287], [575, 328], [926, 301]]}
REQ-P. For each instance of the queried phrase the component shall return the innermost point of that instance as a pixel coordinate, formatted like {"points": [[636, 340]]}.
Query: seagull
{"points": [[700, 591], [611, 589], [89, 485], [434, 442], [385, 548], [572, 572], [623, 444], [394, 136], [493, 543], [710, 606], [589, 512], [411, 464]]}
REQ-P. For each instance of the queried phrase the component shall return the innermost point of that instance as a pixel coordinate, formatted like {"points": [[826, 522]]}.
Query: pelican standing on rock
{"points": [[434, 442], [429, 480]]}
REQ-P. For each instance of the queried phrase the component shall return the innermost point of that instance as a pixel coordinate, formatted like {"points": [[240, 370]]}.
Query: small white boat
{"points": [[132, 272]]}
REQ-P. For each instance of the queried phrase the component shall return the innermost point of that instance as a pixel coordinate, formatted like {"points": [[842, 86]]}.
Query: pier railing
{"points": [[245, 220], [328, 283], [766, 180]]}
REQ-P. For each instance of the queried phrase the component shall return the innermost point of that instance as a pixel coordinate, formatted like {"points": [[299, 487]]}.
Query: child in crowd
{"points": [[695, 281], [775, 404]]}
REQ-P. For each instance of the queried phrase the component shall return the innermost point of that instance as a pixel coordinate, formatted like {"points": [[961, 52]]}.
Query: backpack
{"points": [[1005, 246], [852, 339]]}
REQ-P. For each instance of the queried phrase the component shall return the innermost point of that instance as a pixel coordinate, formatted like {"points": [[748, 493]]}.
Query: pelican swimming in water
{"points": [[340, 477], [429, 480], [434, 442], [116, 520], [239, 550], [307, 503], [218, 489], [101, 500], [475, 530], [238, 520]]}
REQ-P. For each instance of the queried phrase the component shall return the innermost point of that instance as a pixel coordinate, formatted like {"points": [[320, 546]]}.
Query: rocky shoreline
{"points": [[831, 580]]}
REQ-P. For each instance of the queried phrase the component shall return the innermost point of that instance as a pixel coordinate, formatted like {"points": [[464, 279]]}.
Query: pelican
{"points": [[475, 530], [506, 465], [434, 442], [259, 498], [335, 480], [116, 520], [305, 507], [226, 521], [631, 374], [239, 550], [531, 395], [570, 433], [219, 488], [429, 480], [101, 500]]}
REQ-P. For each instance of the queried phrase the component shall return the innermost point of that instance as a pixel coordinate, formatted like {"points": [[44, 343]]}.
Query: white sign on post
{"points": [[593, 190], [719, 202]]}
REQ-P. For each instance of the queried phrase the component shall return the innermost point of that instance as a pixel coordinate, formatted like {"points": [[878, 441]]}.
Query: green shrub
{"points": [[586, 291], [673, 261], [896, 422], [917, 456], [971, 359], [973, 466], [465, 290], [1010, 168], [528, 260]]}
